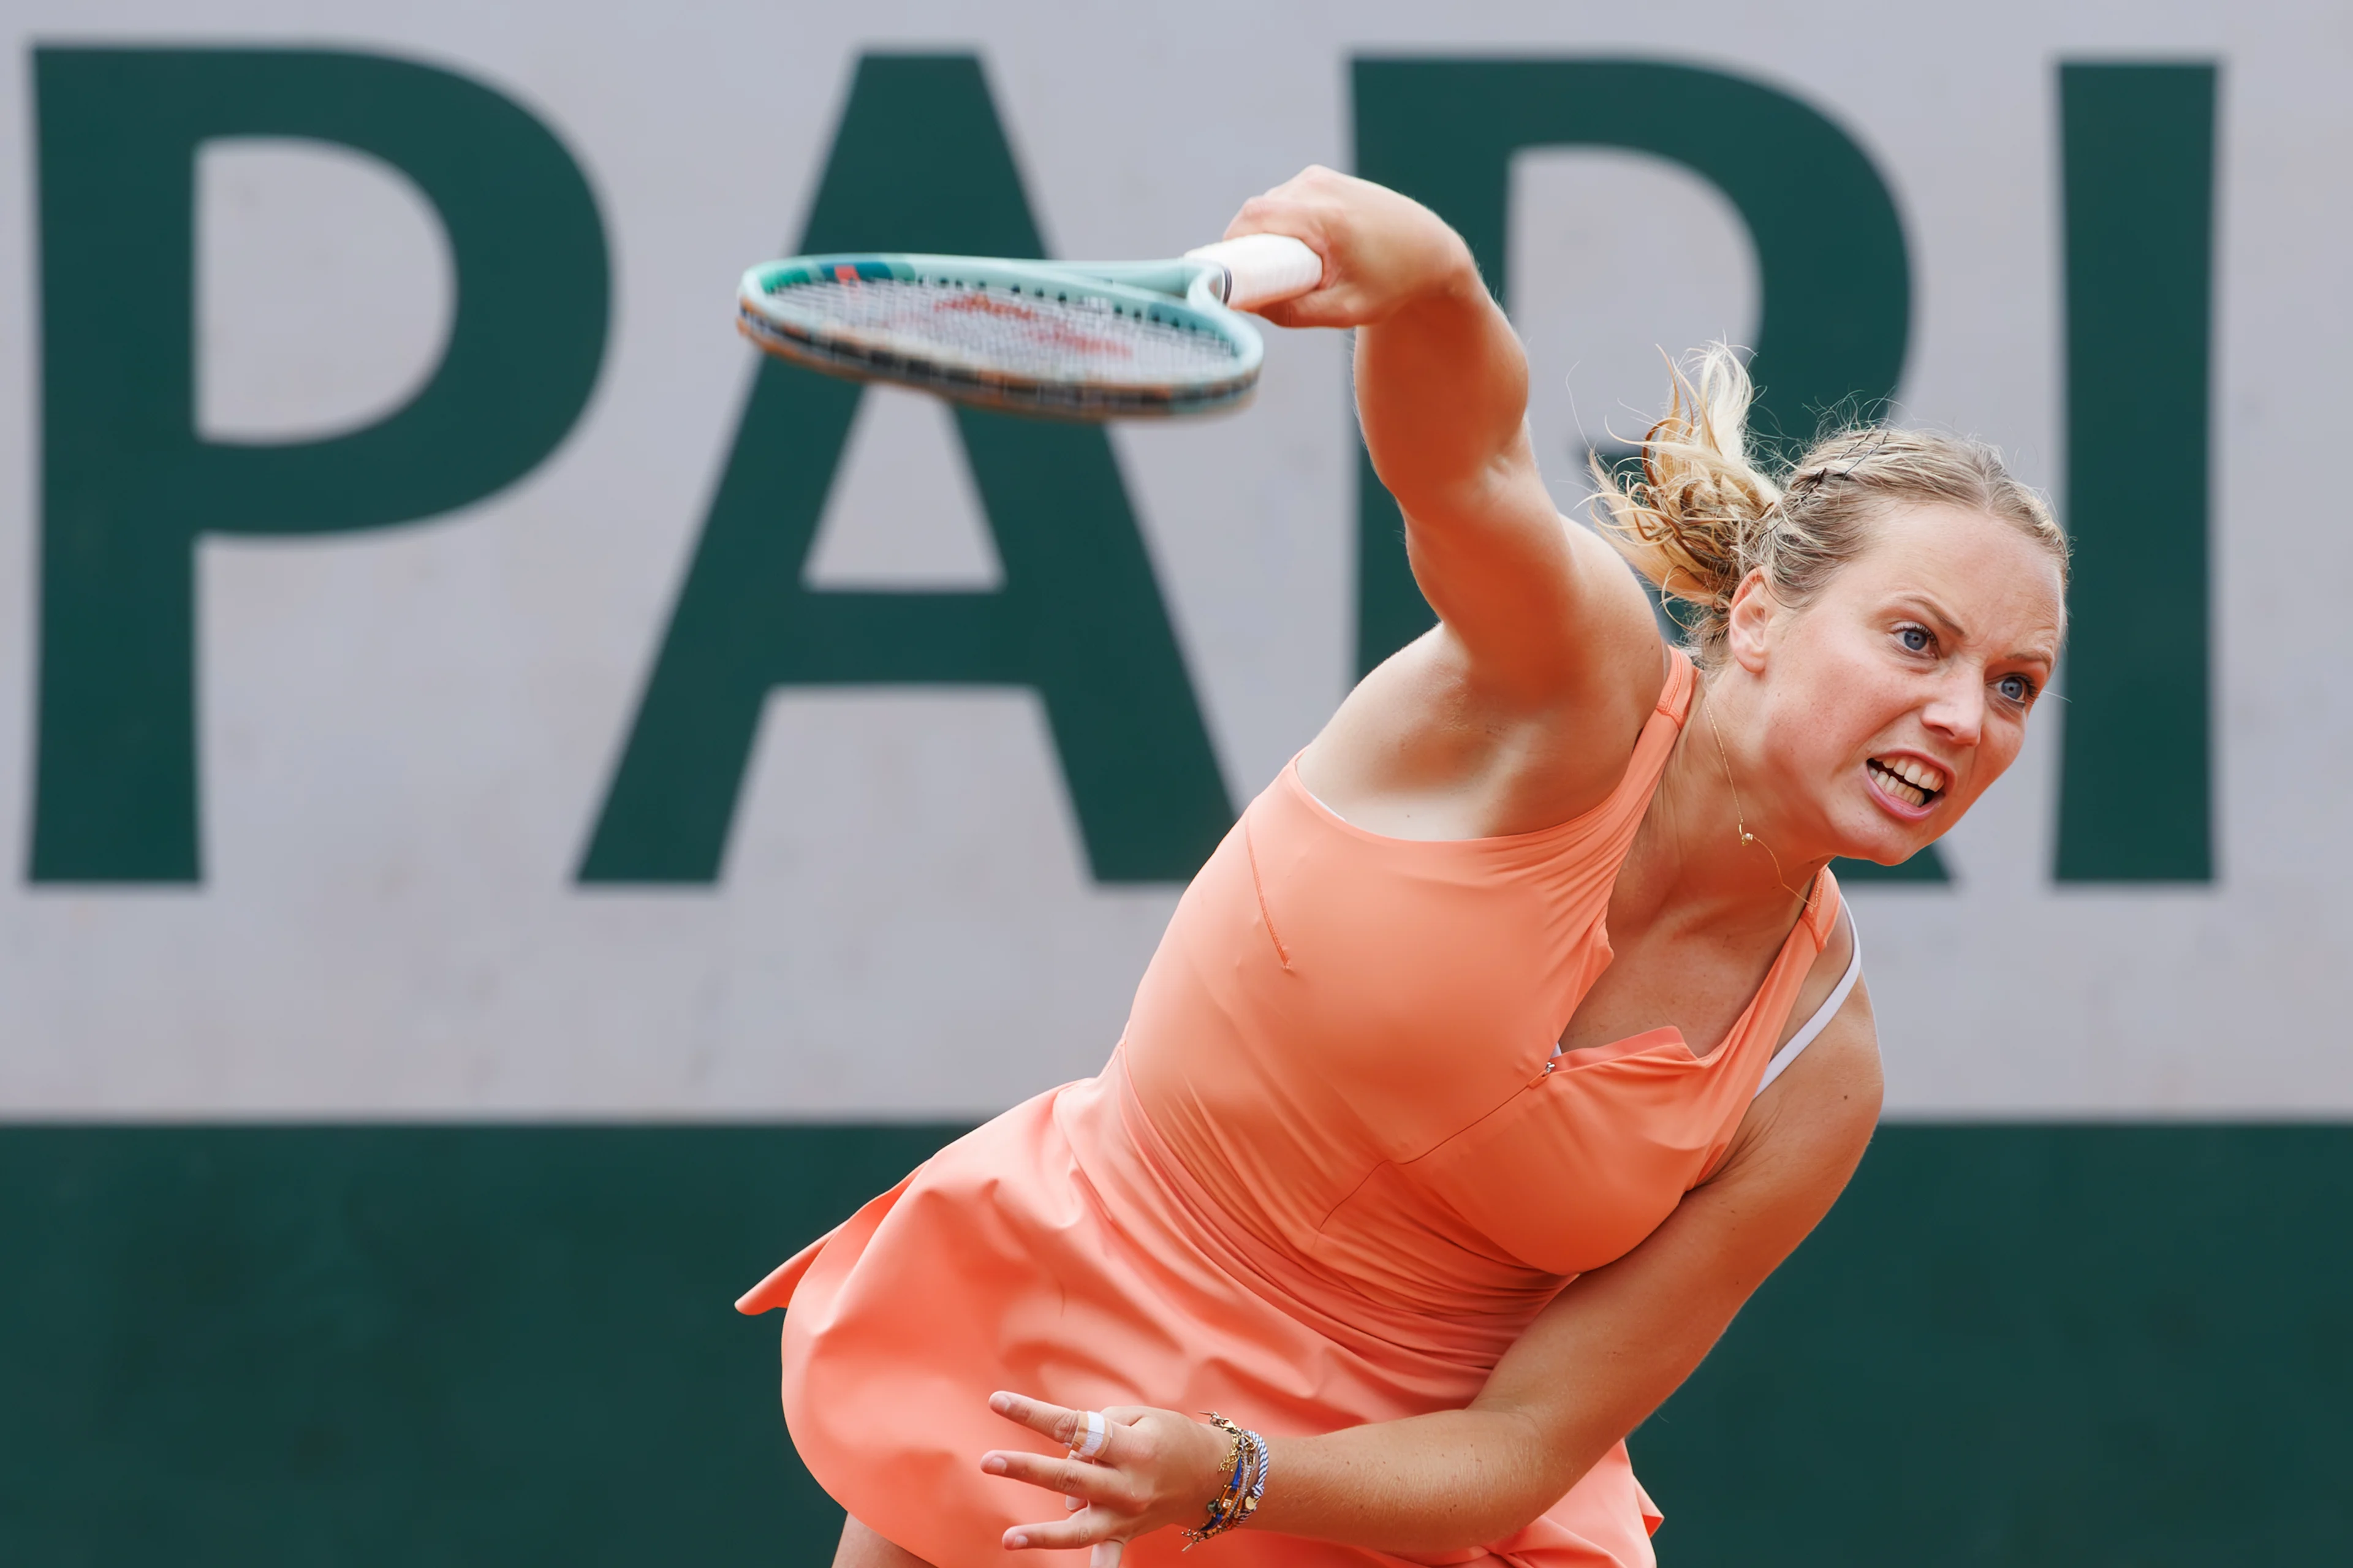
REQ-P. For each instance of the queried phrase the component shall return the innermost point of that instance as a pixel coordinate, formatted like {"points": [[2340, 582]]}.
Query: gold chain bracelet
{"points": [[1246, 1463]]}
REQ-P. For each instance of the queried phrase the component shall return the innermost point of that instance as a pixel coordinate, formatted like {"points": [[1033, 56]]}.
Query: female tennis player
{"points": [[1463, 1103]]}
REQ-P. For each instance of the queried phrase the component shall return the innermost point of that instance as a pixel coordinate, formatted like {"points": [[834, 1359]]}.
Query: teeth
{"points": [[1920, 774], [1911, 782]]}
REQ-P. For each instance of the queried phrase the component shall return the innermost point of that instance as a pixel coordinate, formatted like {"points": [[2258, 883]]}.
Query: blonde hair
{"points": [[1701, 513]]}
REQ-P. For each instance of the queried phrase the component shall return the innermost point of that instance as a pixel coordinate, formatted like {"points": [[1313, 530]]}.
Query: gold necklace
{"points": [[1739, 814]]}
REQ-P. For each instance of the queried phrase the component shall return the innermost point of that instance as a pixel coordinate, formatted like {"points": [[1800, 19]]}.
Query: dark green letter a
{"points": [[919, 163]]}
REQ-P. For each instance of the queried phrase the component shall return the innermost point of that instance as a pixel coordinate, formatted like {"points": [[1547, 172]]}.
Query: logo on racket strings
{"points": [[1043, 327]]}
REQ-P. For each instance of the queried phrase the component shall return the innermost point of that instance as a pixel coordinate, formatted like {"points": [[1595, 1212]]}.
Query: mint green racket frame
{"points": [[1189, 294]]}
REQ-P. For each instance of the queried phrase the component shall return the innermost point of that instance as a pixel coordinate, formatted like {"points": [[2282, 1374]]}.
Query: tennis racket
{"points": [[1073, 340]]}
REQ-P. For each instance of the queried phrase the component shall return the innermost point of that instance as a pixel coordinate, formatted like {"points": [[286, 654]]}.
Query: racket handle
{"points": [[1263, 269]]}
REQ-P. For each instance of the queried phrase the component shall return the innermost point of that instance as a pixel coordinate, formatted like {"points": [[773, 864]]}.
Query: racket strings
{"points": [[999, 332]]}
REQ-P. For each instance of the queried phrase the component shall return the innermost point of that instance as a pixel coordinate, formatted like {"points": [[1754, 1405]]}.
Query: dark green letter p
{"points": [[128, 487]]}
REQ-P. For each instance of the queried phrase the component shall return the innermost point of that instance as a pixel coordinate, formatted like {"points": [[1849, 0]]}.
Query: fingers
{"points": [[1283, 315], [1066, 1426], [1069, 1428], [1093, 1527], [1106, 1554], [1071, 1478], [1325, 308], [1294, 205], [1381, 250], [1304, 208], [1310, 207]]}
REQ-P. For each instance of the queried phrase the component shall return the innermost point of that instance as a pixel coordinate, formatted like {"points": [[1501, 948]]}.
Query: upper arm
{"points": [[1543, 637], [1540, 608], [1803, 1137], [1546, 659], [1546, 615]]}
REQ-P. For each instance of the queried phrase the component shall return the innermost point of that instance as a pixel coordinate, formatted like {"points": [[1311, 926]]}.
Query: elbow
{"points": [[1444, 501], [1501, 1519], [1529, 1474]]}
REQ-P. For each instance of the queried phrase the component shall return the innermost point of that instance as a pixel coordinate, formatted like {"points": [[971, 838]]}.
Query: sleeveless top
{"points": [[1333, 1169]]}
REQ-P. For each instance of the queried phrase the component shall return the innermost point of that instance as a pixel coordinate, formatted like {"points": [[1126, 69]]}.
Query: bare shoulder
{"points": [[1624, 643], [1827, 972], [1433, 744], [1823, 1108], [1807, 1132], [1585, 644]]}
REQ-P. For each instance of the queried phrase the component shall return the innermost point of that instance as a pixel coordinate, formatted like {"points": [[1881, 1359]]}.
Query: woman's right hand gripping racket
{"points": [[1072, 341]]}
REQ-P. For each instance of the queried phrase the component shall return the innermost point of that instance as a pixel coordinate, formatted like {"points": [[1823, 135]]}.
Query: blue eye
{"points": [[1915, 639], [2015, 688]]}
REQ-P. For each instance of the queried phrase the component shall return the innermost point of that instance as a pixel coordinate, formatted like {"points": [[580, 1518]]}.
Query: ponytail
{"points": [[1699, 514]]}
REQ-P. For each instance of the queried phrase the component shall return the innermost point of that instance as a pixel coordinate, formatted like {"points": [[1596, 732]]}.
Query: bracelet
{"points": [[1246, 1463], [1221, 1507]]}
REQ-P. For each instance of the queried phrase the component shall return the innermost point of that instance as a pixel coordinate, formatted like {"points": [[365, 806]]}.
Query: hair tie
{"points": [[1859, 451], [1876, 439]]}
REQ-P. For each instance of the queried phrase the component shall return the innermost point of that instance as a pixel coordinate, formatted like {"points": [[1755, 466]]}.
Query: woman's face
{"points": [[1901, 691]]}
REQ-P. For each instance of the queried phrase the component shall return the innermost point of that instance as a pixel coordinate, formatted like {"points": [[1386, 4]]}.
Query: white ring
{"points": [[1096, 1434]]}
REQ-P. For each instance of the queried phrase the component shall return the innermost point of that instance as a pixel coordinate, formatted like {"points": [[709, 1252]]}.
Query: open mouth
{"points": [[1908, 779]]}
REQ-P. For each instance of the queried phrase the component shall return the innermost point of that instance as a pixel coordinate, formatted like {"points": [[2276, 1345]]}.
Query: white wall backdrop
{"points": [[406, 734]]}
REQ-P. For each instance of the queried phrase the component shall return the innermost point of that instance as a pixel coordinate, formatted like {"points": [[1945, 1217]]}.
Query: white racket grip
{"points": [[1263, 269]]}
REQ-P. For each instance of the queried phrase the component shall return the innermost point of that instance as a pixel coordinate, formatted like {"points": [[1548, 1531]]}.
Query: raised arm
{"points": [[1599, 1359], [1542, 627]]}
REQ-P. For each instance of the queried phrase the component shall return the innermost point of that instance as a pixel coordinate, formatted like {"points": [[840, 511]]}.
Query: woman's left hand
{"points": [[1155, 1468]]}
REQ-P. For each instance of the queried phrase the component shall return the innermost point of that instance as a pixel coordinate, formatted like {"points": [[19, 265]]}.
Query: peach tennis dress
{"points": [[1332, 1171]]}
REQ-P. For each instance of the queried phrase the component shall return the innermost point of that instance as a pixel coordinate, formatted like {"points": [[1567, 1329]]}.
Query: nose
{"points": [[1958, 708]]}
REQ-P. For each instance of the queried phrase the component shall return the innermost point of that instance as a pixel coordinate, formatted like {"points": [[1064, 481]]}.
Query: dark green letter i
{"points": [[2134, 792]]}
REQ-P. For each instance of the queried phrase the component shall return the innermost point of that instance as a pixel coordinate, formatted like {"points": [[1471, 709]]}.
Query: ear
{"points": [[1749, 621]]}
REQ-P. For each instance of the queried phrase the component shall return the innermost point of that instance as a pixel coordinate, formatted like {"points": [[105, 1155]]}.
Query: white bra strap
{"points": [[1823, 1014]]}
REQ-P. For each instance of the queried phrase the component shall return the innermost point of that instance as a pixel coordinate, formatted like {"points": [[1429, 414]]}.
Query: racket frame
{"points": [[1185, 294]]}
